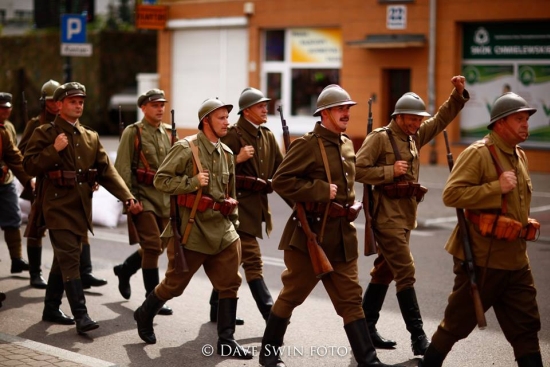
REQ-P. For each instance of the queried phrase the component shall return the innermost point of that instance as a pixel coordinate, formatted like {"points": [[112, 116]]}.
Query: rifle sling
{"points": [[327, 170], [196, 164], [500, 171]]}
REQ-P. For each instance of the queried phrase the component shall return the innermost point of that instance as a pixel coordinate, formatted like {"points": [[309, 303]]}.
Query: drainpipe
{"points": [[431, 74]]}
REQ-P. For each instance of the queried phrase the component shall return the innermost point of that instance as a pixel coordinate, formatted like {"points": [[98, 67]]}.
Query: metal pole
{"points": [[431, 74], [67, 70]]}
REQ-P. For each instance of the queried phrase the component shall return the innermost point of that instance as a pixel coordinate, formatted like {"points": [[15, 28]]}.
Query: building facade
{"points": [[375, 49]]}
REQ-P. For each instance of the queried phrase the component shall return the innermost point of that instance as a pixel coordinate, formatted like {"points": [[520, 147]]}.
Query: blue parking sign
{"points": [[73, 28]]}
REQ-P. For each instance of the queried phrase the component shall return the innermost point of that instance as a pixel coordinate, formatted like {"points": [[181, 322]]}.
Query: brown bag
{"points": [[532, 230]]}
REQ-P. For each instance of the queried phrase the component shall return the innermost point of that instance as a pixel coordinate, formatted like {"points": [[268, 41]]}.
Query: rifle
{"points": [[469, 264], [370, 242], [286, 134], [319, 260], [179, 257], [133, 236]]}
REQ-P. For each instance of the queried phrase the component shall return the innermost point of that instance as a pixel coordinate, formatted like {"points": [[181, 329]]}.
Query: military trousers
{"points": [[394, 260], [149, 227], [66, 250], [10, 215], [251, 257], [342, 286], [511, 293], [222, 269]]}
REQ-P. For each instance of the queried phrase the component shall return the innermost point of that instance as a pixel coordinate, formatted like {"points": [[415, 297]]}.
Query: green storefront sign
{"points": [[513, 40]]}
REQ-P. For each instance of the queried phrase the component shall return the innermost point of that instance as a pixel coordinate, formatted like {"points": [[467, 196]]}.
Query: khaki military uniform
{"points": [[30, 126], [155, 144], [301, 177], [213, 241], [11, 161], [253, 205], [67, 211], [503, 270], [393, 219]]}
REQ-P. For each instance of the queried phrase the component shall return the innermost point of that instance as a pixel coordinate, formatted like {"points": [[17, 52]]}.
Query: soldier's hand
{"points": [[134, 207], [459, 83], [203, 178], [400, 168], [508, 181], [61, 142], [95, 187], [245, 153], [32, 183], [333, 189]]}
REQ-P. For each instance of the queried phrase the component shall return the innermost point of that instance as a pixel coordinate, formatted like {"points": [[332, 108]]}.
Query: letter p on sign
{"points": [[73, 28]]}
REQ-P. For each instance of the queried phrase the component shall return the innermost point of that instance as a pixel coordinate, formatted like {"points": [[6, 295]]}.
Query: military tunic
{"points": [[502, 266], [301, 177], [30, 126], [393, 219], [63, 207], [213, 241]]}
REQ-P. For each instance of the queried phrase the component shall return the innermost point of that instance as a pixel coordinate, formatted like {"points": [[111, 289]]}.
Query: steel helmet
{"points": [[410, 104], [507, 104], [49, 88], [331, 96], [210, 105], [249, 97]]}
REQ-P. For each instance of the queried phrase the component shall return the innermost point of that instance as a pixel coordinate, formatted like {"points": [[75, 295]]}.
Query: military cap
{"points": [[154, 95], [5, 99], [72, 89]]}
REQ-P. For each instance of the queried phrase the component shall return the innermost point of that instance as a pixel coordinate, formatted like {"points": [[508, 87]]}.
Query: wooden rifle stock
{"points": [[179, 257], [286, 134], [468, 256], [319, 260], [370, 242]]}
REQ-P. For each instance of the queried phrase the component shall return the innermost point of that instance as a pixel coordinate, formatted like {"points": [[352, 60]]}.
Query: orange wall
{"points": [[361, 73]]}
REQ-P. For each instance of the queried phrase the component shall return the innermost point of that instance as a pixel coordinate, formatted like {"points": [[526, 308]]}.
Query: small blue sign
{"points": [[73, 28]]}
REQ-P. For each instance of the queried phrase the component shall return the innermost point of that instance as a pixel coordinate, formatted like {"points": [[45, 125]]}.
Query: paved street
{"points": [[315, 336]]}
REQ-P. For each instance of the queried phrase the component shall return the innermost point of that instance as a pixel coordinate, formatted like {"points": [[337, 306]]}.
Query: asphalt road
{"points": [[315, 336]]}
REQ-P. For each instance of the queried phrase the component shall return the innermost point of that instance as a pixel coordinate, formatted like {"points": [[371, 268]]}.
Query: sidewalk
{"points": [[18, 352]]}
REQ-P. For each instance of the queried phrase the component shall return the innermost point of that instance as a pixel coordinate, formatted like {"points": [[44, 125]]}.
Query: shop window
{"points": [[275, 45], [274, 91], [307, 84]]}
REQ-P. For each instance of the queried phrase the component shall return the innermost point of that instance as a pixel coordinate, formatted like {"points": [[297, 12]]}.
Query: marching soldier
{"points": [[10, 167], [318, 172], [69, 159], [257, 156], [491, 181], [34, 245], [143, 146], [389, 160], [200, 170]]}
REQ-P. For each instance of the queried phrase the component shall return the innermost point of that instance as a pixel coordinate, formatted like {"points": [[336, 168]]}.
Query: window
{"points": [[297, 64]]}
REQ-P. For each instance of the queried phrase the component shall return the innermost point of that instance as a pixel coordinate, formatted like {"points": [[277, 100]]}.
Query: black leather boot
{"points": [[411, 314], [432, 358], [361, 345], [261, 295], [35, 261], [88, 279], [150, 281], [272, 340], [75, 295], [214, 308], [124, 271], [373, 299], [2, 298], [52, 301], [530, 360], [12, 236], [227, 345], [144, 316]]}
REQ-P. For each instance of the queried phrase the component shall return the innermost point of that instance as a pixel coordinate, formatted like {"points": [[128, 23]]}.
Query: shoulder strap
{"points": [[241, 139], [191, 221], [329, 177], [393, 144], [137, 148], [499, 169]]}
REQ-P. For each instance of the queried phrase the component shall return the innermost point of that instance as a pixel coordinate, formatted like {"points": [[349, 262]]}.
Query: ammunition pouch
{"points": [[225, 207], [350, 212], [404, 189], [145, 176], [3, 173], [503, 228], [69, 179], [252, 183]]}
